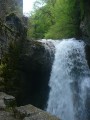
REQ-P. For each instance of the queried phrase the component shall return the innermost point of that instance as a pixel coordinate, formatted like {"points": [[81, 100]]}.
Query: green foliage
{"points": [[66, 20], [40, 22], [56, 19]]}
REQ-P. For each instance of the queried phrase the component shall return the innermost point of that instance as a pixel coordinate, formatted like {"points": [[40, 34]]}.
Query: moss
{"points": [[10, 105]]}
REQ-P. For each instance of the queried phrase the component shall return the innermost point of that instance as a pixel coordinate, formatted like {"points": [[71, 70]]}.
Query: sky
{"points": [[27, 6]]}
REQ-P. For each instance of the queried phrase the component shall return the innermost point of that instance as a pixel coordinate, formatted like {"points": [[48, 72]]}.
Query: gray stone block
{"points": [[29, 112]]}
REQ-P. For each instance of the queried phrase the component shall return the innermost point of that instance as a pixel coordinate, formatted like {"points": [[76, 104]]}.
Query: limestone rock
{"points": [[30, 112], [6, 101], [10, 6], [6, 116], [2, 104]]}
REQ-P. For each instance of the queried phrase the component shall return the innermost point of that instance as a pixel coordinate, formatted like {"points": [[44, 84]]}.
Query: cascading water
{"points": [[69, 82]]}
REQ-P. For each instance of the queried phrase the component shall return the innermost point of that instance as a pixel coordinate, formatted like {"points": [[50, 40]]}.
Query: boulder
{"points": [[6, 101], [6, 106], [7, 116], [27, 112], [30, 112]]}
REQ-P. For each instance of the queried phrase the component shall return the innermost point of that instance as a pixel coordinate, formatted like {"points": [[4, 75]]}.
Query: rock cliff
{"points": [[85, 21], [36, 63], [8, 6]]}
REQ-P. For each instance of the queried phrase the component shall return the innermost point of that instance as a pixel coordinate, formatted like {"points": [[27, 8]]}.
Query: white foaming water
{"points": [[49, 46], [69, 81]]}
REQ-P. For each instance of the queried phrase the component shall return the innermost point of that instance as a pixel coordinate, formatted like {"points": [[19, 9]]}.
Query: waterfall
{"points": [[69, 82]]}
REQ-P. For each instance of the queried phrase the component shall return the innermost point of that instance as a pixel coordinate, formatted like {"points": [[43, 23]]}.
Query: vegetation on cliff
{"points": [[58, 19]]}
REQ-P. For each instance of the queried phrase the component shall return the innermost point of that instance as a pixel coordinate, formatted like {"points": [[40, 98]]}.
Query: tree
{"points": [[56, 19], [67, 20], [40, 21]]}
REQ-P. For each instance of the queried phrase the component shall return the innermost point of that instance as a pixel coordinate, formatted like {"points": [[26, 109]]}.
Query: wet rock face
{"points": [[36, 63], [87, 50]]}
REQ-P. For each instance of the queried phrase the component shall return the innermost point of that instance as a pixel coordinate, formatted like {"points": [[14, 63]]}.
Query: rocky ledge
{"points": [[29, 112], [9, 111]]}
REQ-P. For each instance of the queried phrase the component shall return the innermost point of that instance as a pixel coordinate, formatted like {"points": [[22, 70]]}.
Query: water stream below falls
{"points": [[69, 97]]}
